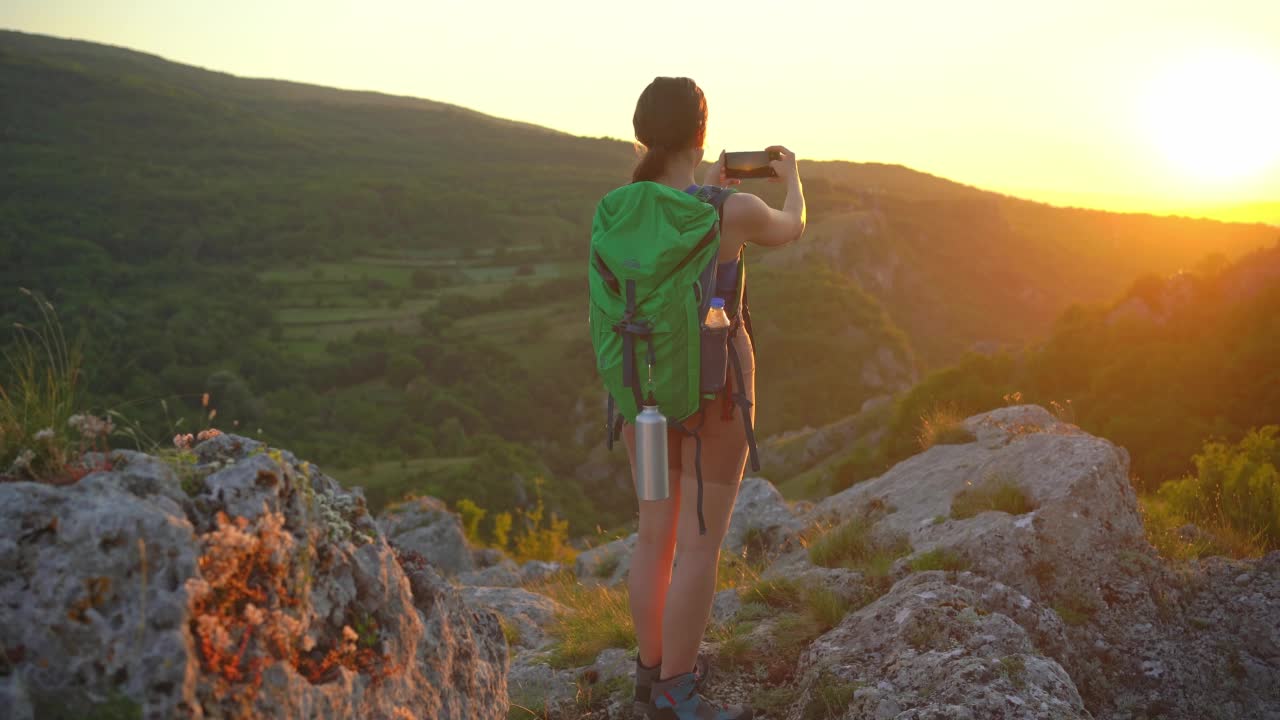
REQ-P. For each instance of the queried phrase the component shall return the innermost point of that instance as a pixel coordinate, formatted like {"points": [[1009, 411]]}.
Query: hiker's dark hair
{"points": [[671, 115]]}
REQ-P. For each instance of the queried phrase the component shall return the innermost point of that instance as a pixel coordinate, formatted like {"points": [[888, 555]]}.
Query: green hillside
{"points": [[957, 267], [1176, 360], [393, 287]]}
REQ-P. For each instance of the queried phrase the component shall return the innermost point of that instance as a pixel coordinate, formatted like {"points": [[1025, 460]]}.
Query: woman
{"points": [[670, 608]]}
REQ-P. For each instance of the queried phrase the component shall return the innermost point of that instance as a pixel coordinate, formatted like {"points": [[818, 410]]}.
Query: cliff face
{"points": [[233, 581]]}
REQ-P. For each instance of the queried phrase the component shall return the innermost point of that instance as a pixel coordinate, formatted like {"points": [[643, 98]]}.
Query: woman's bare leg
{"points": [[650, 572], [693, 583]]}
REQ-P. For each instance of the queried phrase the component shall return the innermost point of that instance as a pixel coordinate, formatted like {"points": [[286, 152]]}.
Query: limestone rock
{"points": [[528, 612], [608, 563], [426, 526], [932, 648], [504, 574], [106, 589], [761, 516]]}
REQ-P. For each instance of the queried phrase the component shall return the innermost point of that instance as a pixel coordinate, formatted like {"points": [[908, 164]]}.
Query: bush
{"points": [[1236, 489], [996, 492]]}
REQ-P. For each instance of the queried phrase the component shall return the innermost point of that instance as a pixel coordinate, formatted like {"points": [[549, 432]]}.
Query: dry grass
{"points": [[995, 492], [1162, 525], [943, 425], [596, 618]]}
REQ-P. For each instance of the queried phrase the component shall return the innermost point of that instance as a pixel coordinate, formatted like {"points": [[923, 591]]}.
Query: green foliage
{"points": [[1235, 488], [938, 559], [542, 536], [807, 311], [996, 492], [501, 530], [863, 463], [851, 545], [471, 515]]}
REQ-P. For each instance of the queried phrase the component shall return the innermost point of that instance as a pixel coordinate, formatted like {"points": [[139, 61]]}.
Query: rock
{"points": [[931, 648], [484, 557], [536, 686], [529, 613], [535, 571], [1085, 511], [613, 663], [608, 563], [761, 521], [13, 697], [725, 605], [125, 586], [505, 574], [425, 526]]}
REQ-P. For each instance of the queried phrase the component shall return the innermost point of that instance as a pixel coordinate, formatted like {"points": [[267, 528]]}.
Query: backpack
{"points": [[652, 275]]}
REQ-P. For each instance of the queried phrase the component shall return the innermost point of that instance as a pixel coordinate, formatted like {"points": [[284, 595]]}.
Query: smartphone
{"points": [[752, 164]]}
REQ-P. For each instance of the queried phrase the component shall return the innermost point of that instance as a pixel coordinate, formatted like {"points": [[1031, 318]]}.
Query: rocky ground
{"points": [[1005, 575], [232, 581]]}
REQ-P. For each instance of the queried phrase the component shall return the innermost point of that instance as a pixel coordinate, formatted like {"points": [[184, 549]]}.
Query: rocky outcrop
{"points": [[232, 581], [425, 526], [1023, 587]]}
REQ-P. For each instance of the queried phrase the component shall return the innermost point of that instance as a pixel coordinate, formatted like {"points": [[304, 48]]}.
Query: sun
{"points": [[1216, 116]]}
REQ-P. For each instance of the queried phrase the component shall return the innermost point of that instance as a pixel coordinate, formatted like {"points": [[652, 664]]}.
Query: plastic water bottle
{"points": [[652, 481], [716, 317]]}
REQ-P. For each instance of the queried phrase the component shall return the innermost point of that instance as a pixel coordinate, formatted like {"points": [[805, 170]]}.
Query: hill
{"points": [[366, 278]]}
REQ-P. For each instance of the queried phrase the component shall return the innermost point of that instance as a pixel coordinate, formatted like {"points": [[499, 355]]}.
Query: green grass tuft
{"points": [[828, 698], [595, 618], [938, 559], [851, 546]]}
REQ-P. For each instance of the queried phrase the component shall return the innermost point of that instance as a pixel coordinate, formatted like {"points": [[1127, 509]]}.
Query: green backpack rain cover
{"points": [[652, 275]]}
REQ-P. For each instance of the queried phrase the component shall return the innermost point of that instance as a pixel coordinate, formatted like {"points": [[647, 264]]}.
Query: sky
{"points": [[1167, 107]]}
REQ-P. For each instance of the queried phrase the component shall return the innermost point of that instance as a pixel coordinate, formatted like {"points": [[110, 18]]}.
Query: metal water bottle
{"points": [[652, 481]]}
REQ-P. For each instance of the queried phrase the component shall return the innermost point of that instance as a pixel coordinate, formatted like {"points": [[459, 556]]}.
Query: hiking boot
{"points": [[678, 699], [647, 676]]}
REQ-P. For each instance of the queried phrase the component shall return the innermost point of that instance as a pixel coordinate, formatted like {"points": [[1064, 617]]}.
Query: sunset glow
{"points": [[1216, 116], [1165, 107]]}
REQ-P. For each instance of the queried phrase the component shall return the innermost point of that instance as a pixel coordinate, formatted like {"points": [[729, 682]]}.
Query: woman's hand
{"points": [[715, 174], [785, 167]]}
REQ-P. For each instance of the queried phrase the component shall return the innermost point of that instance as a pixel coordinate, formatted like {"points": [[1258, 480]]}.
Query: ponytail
{"points": [[651, 164]]}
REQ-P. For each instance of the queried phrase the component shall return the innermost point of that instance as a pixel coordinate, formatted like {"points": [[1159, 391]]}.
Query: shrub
{"points": [[996, 492], [1235, 489], [471, 515], [542, 535], [943, 425], [851, 546]]}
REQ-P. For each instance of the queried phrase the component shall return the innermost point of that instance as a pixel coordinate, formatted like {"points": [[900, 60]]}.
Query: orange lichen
{"points": [[248, 611]]}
